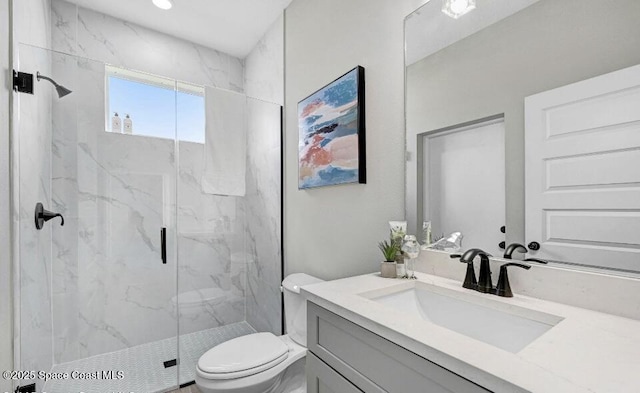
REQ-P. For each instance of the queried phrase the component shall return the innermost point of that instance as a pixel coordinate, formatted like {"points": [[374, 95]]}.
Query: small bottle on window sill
{"points": [[116, 123], [128, 125]]}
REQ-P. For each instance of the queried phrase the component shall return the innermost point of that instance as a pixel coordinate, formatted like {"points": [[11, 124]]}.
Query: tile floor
{"points": [[143, 367]]}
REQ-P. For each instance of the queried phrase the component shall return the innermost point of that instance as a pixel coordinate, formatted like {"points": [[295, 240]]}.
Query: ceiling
{"points": [[230, 26], [429, 30]]}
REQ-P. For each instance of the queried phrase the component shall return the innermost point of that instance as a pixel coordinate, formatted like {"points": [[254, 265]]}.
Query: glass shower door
{"points": [[229, 244], [96, 293]]}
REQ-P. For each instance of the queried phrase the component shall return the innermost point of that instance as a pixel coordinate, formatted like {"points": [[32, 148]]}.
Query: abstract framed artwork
{"points": [[331, 124]]}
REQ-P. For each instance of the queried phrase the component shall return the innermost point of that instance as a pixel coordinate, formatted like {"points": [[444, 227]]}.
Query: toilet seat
{"points": [[242, 357]]}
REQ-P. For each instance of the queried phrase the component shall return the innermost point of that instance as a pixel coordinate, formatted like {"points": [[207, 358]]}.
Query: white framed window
{"points": [[157, 106]]}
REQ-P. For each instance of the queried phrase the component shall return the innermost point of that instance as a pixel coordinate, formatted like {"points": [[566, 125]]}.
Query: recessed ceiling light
{"points": [[457, 8], [163, 4]]}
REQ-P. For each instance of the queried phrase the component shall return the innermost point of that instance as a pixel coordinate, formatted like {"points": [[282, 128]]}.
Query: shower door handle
{"points": [[163, 240]]}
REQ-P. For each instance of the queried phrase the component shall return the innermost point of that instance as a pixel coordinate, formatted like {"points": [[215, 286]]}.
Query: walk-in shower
{"points": [[150, 270]]}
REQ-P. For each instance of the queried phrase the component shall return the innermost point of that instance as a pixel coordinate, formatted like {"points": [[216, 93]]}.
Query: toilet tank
{"points": [[295, 306]]}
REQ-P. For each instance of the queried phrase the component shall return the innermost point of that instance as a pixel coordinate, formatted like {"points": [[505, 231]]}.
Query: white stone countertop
{"points": [[587, 351]]}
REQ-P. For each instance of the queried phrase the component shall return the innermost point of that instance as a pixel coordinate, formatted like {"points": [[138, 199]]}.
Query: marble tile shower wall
{"points": [[34, 247], [109, 285], [263, 229], [32, 304], [264, 66], [111, 290], [90, 34], [211, 230], [264, 80], [65, 199]]}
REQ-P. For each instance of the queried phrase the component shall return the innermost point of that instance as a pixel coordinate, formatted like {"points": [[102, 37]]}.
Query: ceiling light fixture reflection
{"points": [[457, 8], [163, 4]]}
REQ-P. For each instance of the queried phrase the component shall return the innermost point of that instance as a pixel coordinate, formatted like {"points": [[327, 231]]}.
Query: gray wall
{"points": [[6, 348], [332, 232], [550, 44]]}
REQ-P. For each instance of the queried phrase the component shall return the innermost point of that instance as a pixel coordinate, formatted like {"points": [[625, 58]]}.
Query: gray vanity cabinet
{"points": [[323, 379], [345, 357]]}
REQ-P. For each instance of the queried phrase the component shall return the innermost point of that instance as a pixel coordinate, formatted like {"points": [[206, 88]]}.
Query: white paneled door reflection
{"points": [[582, 171]]}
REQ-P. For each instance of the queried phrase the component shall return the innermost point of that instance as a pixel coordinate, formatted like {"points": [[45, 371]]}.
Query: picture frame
{"points": [[331, 133]]}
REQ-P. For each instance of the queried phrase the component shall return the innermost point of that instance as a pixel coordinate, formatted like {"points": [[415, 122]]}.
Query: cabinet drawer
{"points": [[323, 379], [374, 364]]}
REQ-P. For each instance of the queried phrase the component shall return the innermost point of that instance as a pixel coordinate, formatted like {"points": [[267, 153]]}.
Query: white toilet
{"points": [[256, 363]]}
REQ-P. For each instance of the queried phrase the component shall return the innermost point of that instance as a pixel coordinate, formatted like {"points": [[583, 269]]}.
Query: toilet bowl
{"points": [[255, 363], [242, 371]]}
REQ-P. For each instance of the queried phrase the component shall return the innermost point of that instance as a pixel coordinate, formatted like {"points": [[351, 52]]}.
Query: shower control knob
{"points": [[43, 215]]}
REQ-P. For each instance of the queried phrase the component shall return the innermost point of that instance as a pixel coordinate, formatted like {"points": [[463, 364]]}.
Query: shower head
{"points": [[62, 91]]}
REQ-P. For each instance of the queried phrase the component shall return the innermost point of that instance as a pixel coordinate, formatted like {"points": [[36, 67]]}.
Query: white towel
{"points": [[225, 147]]}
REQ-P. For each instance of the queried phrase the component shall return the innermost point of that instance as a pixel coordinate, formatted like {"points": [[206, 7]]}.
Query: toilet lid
{"points": [[244, 355]]}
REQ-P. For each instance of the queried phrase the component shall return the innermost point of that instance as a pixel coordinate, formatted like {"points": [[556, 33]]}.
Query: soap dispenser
{"points": [[128, 125], [116, 123]]}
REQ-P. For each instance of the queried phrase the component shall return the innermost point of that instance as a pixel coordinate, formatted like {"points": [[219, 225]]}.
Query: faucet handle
{"points": [[513, 247], [521, 265], [43, 215], [503, 288], [536, 260], [484, 279], [470, 281]]}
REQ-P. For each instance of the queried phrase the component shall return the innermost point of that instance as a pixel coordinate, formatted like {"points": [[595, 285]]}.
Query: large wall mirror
{"points": [[526, 114]]}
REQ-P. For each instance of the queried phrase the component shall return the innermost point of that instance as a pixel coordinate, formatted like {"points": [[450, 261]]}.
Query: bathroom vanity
{"points": [[345, 356], [370, 334]]}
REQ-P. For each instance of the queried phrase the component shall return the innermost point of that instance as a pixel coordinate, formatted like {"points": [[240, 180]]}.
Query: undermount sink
{"points": [[502, 325]]}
